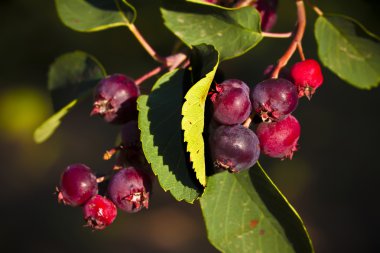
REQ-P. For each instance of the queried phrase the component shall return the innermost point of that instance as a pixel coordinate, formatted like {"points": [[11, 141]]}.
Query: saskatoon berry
{"points": [[231, 102], [115, 99], [99, 212], [273, 99], [129, 189], [267, 10], [307, 76], [130, 135], [234, 148], [279, 139], [78, 184]]}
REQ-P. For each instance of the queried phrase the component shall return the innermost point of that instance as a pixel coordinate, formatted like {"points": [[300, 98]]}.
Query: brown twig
{"points": [[296, 42]]}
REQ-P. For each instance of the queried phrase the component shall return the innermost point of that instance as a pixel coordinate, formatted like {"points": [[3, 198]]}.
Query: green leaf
{"points": [[44, 131], [72, 75], [245, 212], [194, 108], [344, 49], [232, 31], [70, 78], [95, 15], [161, 137]]}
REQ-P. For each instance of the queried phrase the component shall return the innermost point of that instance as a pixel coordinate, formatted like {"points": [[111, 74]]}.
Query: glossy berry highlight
{"points": [[231, 103], [307, 76], [77, 185], [273, 99], [279, 139], [234, 148], [115, 99], [99, 212], [129, 189]]}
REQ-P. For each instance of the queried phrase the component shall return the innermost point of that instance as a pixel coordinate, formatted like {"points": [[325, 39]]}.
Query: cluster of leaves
{"points": [[242, 211]]}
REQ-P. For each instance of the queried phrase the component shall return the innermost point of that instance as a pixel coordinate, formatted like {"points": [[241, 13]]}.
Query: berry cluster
{"points": [[233, 145], [128, 187]]}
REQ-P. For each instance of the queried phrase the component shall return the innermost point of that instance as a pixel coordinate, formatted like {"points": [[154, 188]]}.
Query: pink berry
{"points": [[307, 76], [129, 189], [99, 212], [115, 99], [231, 102], [279, 139], [78, 184]]}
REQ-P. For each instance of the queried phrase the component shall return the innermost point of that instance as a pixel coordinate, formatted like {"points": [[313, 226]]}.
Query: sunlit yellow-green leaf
{"points": [[44, 131], [194, 107]]}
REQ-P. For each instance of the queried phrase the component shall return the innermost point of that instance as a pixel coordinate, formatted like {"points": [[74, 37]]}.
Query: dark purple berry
{"points": [[130, 135], [231, 102], [273, 99], [115, 99], [267, 10], [234, 148], [78, 184], [129, 189], [99, 212], [279, 139], [307, 76]]}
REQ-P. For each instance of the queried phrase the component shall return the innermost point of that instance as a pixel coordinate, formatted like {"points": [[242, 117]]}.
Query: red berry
{"points": [[307, 76], [99, 212], [231, 102], [273, 99], [279, 139], [115, 99], [129, 189], [78, 184]]}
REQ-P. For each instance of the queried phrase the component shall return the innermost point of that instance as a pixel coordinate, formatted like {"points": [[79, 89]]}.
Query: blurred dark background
{"points": [[332, 180]]}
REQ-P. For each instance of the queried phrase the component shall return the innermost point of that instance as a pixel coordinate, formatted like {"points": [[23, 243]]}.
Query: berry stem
{"points": [[277, 35], [148, 75], [243, 3], [145, 44], [301, 14], [315, 8], [300, 51], [247, 122]]}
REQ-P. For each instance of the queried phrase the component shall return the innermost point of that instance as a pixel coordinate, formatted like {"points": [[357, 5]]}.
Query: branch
{"points": [[296, 42], [277, 35], [145, 44]]}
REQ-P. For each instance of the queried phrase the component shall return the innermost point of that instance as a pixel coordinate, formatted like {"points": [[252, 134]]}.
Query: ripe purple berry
{"points": [[267, 10], [273, 99], [307, 76], [234, 148], [279, 139], [129, 189], [78, 184], [115, 99], [231, 102], [99, 212], [130, 135]]}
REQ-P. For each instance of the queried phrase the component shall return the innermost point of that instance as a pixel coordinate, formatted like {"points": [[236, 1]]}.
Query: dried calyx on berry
{"points": [[231, 102], [307, 76], [130, 189], [273, 99], [115, 99], [77, 185], [99, 212]]}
